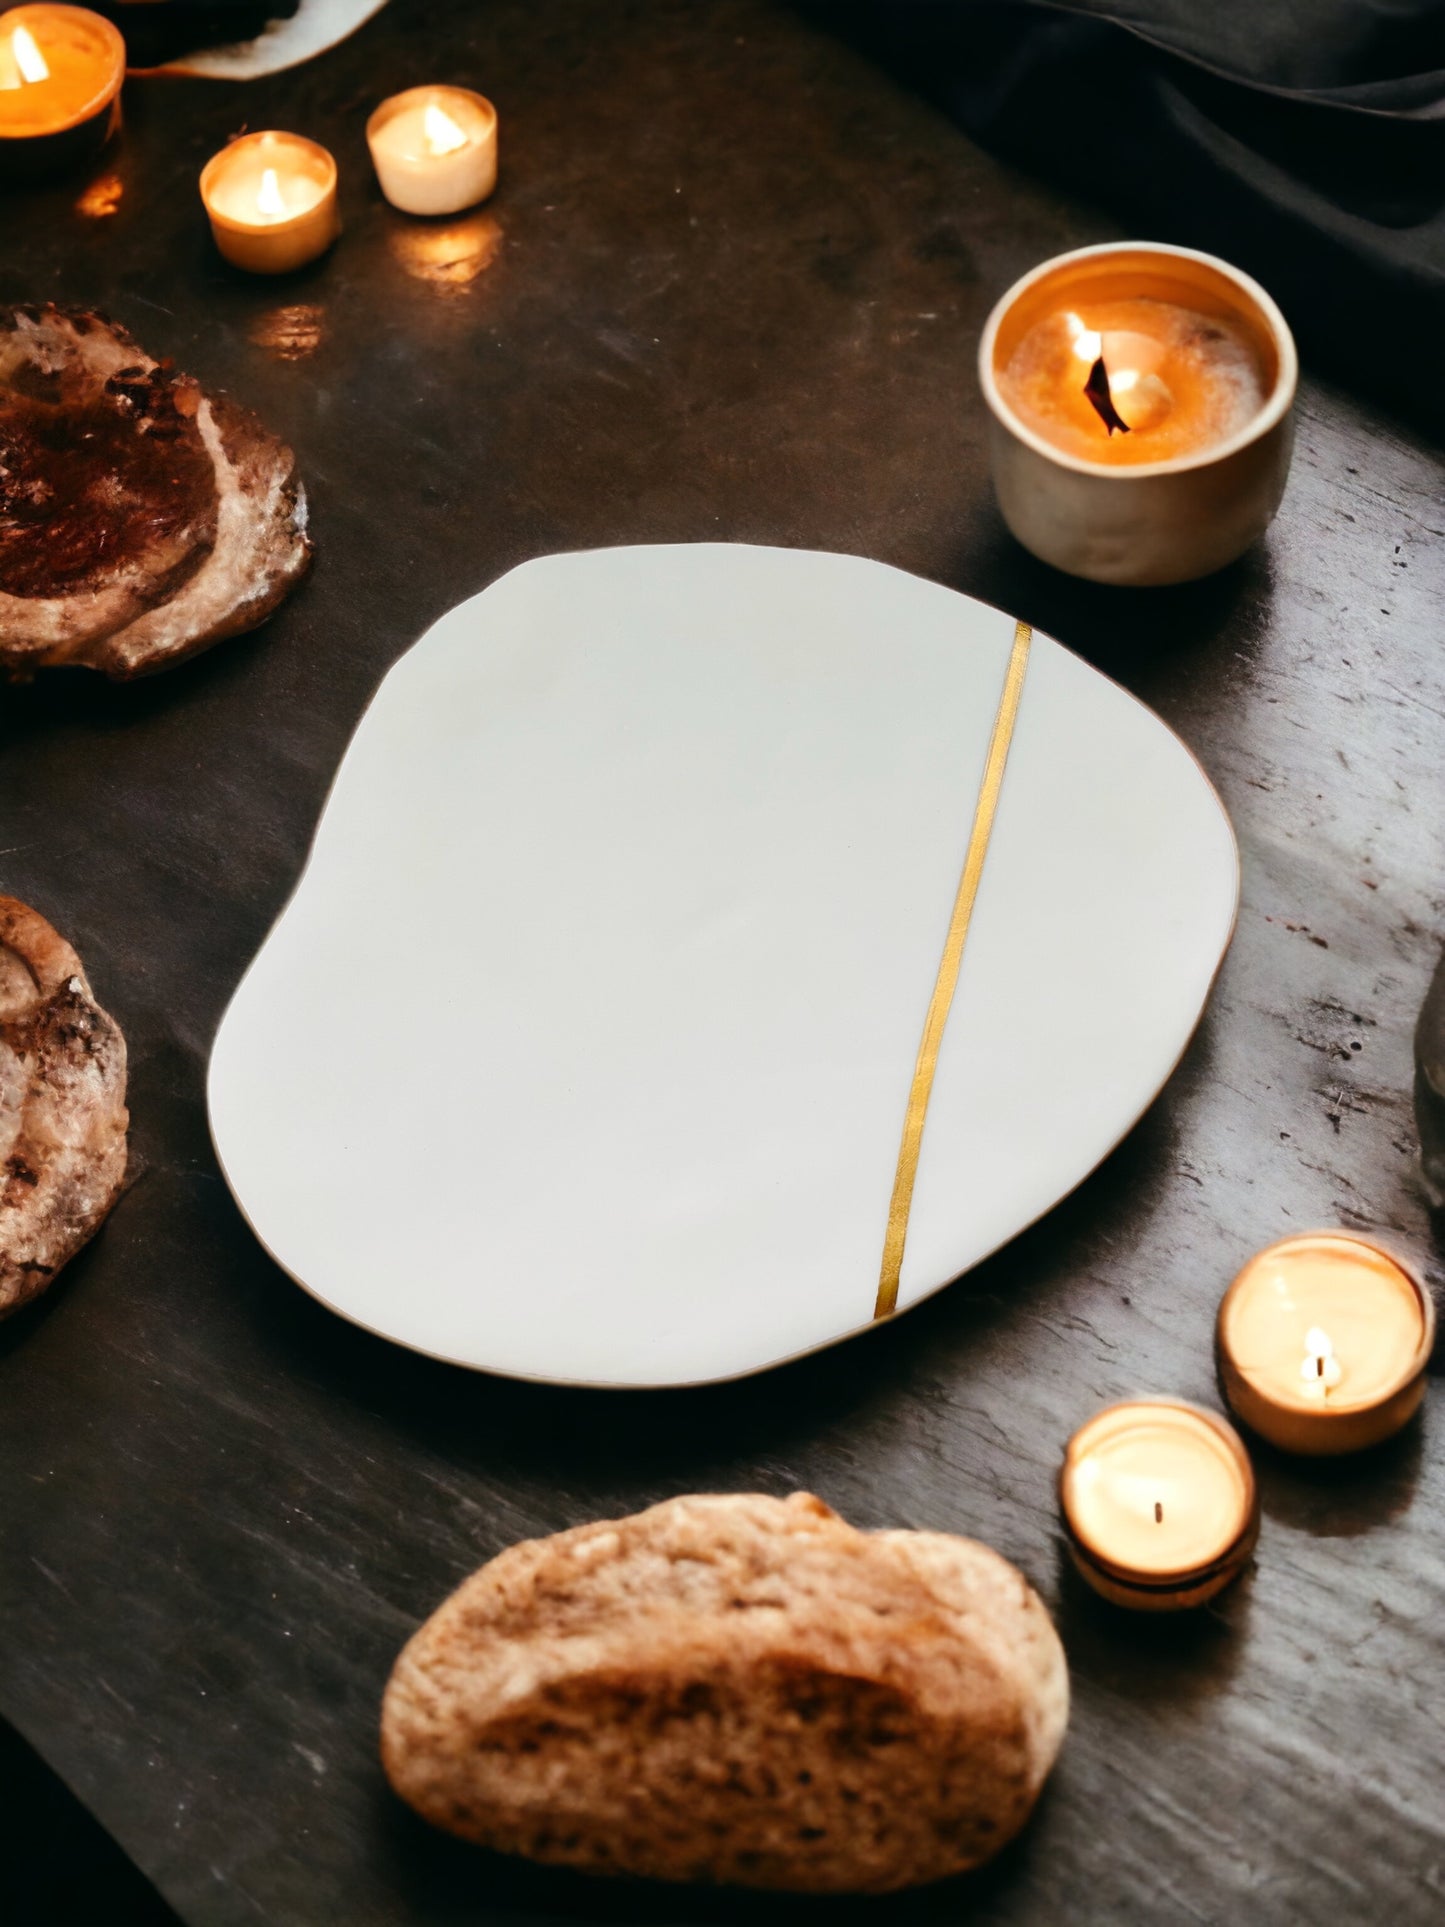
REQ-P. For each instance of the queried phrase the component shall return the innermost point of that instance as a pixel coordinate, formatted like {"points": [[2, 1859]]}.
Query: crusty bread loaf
{"points": [[735, 1689], [62, 1106]]}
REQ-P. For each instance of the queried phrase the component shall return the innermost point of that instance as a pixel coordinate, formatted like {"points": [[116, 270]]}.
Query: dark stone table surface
{"points": [[731, 286]]}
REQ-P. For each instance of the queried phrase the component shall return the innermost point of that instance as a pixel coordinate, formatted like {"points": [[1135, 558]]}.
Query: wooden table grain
{"points": [[730, 287]]}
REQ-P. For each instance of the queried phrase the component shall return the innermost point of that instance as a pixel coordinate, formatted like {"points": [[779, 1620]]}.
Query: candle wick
{"points": [[1158, 1513], [1097, 390]]}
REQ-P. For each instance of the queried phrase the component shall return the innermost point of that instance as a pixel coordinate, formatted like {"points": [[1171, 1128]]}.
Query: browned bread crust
{"points": [[734, 1689], [141, 520], [62, 1106]]}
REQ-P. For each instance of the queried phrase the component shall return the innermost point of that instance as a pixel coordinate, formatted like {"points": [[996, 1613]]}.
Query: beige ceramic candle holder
{"points": [[1155, 522]]}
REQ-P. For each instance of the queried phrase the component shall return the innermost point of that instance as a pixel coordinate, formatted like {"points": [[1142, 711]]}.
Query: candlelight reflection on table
{"points": [[292, 332], [447, 256], [102, 198]]}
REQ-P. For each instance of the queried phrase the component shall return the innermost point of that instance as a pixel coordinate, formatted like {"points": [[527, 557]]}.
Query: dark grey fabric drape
{"points": [[1302, 139]]}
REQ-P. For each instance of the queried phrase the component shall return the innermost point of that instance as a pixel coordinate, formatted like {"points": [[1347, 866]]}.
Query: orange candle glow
{"points": [[61, 70], [1127, 381]]}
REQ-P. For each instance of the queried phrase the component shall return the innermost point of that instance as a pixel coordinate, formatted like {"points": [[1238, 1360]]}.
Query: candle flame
{"points": [[1088, 345], [443, 136], [268, 195], [1320, 1368], [28, 57]]}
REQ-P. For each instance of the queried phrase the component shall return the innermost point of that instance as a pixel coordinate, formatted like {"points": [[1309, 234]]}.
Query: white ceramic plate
{"points": [[312, 29], [582, 1050]]}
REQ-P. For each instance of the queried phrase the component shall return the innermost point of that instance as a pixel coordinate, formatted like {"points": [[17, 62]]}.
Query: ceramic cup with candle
{"points": [[1323, 1341], [1159, 1503], [61, 70], [1140, 401], [271, 198], [434, 149]]}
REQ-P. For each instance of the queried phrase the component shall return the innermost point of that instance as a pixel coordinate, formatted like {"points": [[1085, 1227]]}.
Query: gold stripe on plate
{"points": [[947, 979]]}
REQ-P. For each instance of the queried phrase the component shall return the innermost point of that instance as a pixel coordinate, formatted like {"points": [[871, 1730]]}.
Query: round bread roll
{"points": [[734, 1689]]}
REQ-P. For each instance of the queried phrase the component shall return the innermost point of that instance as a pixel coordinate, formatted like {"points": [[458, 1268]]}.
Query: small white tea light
{"points": [[271, 199], [434, 149], [1159, 1503], [1323, 1342]]}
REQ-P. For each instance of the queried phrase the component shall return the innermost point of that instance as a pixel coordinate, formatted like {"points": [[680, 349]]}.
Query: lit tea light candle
{"points": [[1323, 1343], [434, 149], [1159, 1503], [271, 199], [1140, 398], [61, 70]]}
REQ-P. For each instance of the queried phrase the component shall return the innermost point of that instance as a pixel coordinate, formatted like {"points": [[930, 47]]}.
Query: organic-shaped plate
{"points": [[588, 1048]]}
